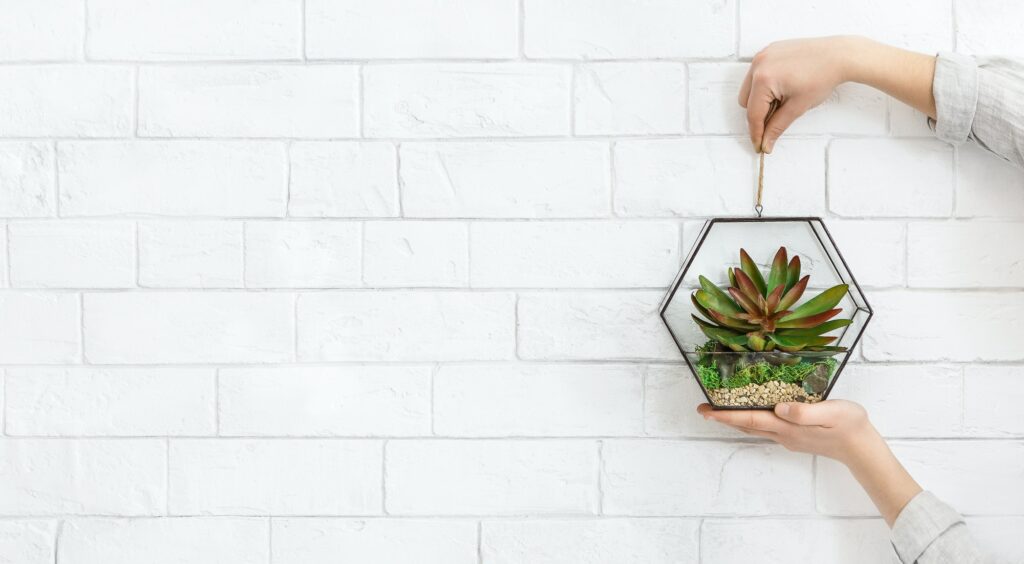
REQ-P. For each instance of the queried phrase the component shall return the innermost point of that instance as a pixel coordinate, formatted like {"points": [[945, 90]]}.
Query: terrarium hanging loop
{"points": [[760, 169]]}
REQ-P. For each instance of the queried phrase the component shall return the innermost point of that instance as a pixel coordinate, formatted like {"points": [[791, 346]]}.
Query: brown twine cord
{"points": [[760, 170]]}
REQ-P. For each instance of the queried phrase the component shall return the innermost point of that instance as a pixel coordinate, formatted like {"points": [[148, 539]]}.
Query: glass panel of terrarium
{"points": [[721, 245]]}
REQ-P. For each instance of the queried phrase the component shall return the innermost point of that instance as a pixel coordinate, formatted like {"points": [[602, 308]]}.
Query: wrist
{"points": [[857, 58]]}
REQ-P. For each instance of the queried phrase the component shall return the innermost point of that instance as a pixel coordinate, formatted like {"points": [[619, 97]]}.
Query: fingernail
{"points": [[782, 409]]}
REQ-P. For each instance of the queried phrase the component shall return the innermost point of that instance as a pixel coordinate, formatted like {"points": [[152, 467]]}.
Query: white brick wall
{"points": [[288, 281]]}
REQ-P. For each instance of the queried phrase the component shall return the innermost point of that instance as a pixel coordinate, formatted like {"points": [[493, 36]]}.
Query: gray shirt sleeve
{"points": [[981, 99], [928, 531]]}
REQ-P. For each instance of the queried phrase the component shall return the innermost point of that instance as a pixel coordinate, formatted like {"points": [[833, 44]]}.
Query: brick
{"points": [[416, 253], [626, 541], [181, 327], [714, 106], [905, 121], [961, 473], [698, 177], [671, 397], [66, 100], [322, 401], [796, 540], [917, 25], [449, 29], [906, 400], [27, 175], [28, 542], [961, 255], [83, 401], [82, 477], [573, 254], [170, 30], [343, 179], [172, 178], [207, 540], [323, 541], [986, 28], [44, 30], [987, 186], [532, 400], [280, 477], [37, 328], [907, 178], [656, 29], [670, 478], [593, 325], [249, 101], [875, 251], [491, 477], [998, 536], [72, 254], [190, 254], [630, 98], [307, 254], [992, 396], [466, 100], [909, 326], [406, 326], [488, 180]]}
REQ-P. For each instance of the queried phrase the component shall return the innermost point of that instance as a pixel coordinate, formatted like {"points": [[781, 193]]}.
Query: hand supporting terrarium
{"points": [[835, 429], [802, 73]]}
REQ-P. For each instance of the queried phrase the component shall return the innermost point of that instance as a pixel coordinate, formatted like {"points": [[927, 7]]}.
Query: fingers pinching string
{"points": [[760, 169]]}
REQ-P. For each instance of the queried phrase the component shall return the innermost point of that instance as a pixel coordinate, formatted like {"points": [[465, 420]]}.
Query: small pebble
{"points": [[762, 395]]}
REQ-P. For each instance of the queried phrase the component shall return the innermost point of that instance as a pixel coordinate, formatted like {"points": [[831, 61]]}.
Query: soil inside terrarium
{"points": [[763, 379]]}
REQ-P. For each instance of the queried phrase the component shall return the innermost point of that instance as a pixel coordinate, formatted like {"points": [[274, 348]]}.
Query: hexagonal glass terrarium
{"points": [[765, 310]]}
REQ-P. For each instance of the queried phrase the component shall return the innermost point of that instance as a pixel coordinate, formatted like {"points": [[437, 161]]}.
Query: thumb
{"points": [[783, 117], [824, 414]]}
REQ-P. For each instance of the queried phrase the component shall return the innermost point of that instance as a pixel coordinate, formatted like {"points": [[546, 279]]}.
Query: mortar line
{"points": [[384, 477], [167, 477], [216, 402], [135, 99], [521, 30], [138, 257], [302, 30], [600, 479], [480, 542], [399, 184], [289, 149], [56, 181], [82, 359]]}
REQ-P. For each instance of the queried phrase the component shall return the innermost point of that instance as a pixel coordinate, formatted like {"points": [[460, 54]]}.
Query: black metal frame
{"points": [[708, 225]]}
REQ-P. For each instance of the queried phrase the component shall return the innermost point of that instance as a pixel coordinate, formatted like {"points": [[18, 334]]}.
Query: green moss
{"points": [[709, 375], [758, 372]]}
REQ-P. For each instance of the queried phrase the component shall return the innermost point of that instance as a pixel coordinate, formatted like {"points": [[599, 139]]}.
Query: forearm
{"points": [[876, 468], [904, 75]]}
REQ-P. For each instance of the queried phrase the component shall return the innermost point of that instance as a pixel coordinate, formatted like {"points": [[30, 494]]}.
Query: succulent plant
{"points": [[755, 314]]}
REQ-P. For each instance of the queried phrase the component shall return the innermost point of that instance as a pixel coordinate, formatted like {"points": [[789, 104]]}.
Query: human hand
{"points": [[800, 74], [837, 429]]}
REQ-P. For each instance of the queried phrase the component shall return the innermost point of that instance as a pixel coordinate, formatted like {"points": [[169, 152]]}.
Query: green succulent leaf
{"points": [[732, 277], [730, 322], [723, 301], [779, 272], [792, 341], [712, 302], [749, 267], [756, 342], [727, 337], [816, 330], [808, 322], [793, 272], [744, 301], [774, 298], [749, 289], [820, 303], [793, 294]]}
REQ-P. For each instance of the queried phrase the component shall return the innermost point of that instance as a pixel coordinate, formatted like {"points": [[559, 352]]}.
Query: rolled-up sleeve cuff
{"points": [[955, 88], [922, 521]]}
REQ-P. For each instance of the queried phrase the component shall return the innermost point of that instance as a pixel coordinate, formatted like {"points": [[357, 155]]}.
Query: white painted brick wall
{"points": [[288, 281]]}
